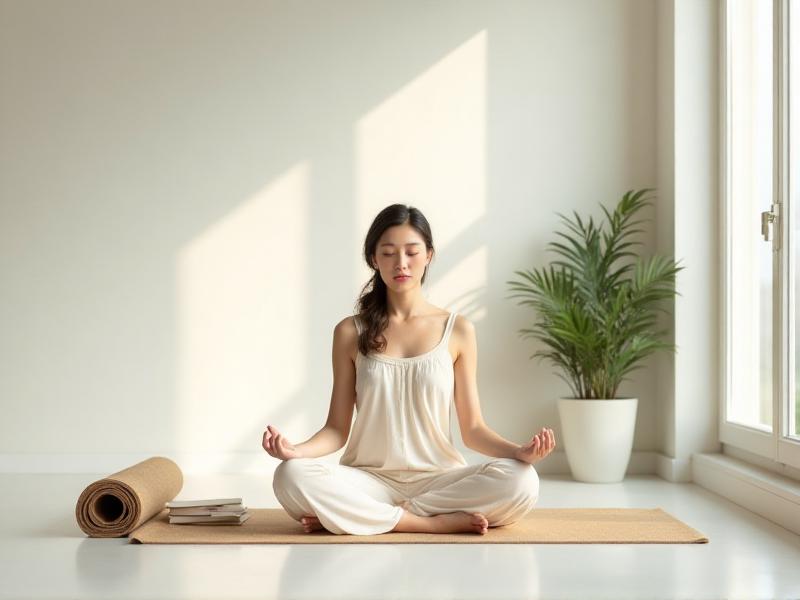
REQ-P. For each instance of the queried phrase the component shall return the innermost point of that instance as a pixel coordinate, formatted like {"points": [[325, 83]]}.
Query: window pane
{"points": [[750, 188]]}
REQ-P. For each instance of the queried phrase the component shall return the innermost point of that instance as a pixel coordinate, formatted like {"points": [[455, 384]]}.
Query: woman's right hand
{"points": [[278, 446]]}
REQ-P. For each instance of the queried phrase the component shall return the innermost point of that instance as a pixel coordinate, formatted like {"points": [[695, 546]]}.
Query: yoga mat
{"points": [[116, 505], [540, 526]]}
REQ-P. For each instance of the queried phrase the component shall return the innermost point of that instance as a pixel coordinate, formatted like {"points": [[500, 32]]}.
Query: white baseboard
{"points": [[641, 463], [759, 490], [676, 470]]}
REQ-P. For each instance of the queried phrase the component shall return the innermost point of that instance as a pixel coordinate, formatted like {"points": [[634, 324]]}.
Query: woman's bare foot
{"points": [[455, 522], [461, 521], [311, 523]]}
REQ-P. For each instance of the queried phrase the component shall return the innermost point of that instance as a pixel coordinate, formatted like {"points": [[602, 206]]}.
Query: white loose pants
{"points": [[349, 500]]}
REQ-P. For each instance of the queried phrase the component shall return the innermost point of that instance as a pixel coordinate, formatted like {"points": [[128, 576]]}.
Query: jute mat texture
{"points": [[540, 526], [131, 503]]}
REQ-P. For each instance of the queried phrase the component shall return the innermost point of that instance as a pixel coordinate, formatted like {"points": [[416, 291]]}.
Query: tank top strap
{"points": [[358, 323], [449, 327]]}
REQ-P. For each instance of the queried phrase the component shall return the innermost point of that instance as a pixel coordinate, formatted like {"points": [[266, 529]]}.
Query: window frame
{"points": [[767, 444]]}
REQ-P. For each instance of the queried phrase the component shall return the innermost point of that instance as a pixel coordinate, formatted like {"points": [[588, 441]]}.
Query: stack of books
{"points": [[216, 511]]}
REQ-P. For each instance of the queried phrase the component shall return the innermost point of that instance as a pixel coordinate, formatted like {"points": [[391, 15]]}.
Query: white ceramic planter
{"points": [[598, 437]]}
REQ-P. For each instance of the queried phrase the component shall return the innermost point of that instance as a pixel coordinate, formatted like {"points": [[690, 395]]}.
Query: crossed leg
{"points": [[501, 490], [342, 499], [345, 499]]}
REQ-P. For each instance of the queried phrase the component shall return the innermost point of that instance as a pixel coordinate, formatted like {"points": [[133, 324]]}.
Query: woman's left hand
{"points": [[538, 447]]}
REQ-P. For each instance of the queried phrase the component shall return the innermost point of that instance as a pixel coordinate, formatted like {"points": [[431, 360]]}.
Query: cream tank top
{"points": [[403, 408]]}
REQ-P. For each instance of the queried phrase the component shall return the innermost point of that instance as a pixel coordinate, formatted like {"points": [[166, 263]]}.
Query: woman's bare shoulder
{"points": [[346, 325], [463, 325], [345, 336], [463, 335]]}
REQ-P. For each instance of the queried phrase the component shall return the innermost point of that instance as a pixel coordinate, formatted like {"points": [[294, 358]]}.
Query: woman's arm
{"points": [[474, 431], [333, 436], [326, 441]]}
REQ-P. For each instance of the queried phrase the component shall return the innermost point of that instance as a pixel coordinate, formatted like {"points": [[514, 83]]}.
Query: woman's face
{"points": [[401, 251]]}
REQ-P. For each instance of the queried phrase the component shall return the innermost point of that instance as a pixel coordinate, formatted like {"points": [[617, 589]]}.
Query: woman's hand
{"points": [[540, 446], [278, 446]]}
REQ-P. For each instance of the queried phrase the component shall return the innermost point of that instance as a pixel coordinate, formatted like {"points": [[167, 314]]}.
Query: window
{"points": [[761, 280]]}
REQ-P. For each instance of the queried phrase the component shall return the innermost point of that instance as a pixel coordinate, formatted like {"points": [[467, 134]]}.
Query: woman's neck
{"points": [[405, 306]]}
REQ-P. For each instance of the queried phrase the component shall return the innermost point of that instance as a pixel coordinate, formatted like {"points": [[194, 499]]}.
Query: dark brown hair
{"points": [[371, 306]]}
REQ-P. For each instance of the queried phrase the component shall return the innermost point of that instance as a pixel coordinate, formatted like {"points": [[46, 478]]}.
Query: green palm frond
{"points": [[596, 312]]}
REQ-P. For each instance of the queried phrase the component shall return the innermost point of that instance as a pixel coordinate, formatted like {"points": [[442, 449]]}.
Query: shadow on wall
{"points": [[243, 156]]}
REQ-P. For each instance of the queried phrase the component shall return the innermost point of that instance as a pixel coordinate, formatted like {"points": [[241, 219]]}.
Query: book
{"points": [[228, 509], [233, 520], [208, 511], [195, 503]]}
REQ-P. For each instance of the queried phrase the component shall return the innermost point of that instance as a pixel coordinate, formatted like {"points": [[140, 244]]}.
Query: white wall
{"points": [[688, 228], [185, 188]]}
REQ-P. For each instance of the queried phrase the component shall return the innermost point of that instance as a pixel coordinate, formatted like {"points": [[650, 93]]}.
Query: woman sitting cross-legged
{"points": [[399, 362]]}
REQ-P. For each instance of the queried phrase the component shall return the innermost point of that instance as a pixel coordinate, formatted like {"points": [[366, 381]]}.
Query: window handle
{"points": [[769, 217]]}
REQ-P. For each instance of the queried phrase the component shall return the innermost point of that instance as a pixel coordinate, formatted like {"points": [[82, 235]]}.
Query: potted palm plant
{"points": [[596, 317]]}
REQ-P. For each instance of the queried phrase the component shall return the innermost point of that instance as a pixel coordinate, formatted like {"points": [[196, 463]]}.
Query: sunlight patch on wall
{"points": [[425, 146], [463, 287], [242, 307]]}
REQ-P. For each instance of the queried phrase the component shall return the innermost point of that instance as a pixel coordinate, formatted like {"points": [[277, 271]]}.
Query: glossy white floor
{"points": [[43, 553]]}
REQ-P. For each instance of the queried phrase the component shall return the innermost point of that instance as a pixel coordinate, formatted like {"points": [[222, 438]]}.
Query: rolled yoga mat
{"points": [[116, 505]]}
